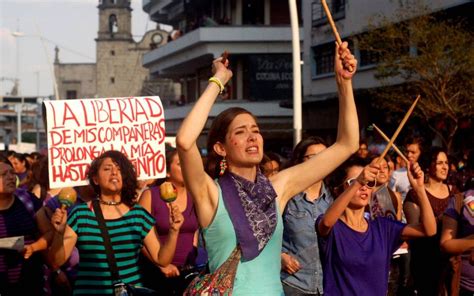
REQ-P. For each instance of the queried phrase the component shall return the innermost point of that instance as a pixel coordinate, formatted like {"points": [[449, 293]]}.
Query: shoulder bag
{"points": [[120, 288]]}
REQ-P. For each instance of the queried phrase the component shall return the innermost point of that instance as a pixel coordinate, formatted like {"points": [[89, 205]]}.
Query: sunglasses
{"points": [[351, 181]]}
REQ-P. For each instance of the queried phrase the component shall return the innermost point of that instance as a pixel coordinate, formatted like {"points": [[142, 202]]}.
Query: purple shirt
{"points": [[465, 228], [357, 263], [19, 276], [185, 252]]}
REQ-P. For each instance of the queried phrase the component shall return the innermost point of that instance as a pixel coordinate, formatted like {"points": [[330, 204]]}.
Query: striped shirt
{"points": [[126, 234]]}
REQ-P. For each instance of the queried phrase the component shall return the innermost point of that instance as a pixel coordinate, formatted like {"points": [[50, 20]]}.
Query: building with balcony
{"points": [[352, 20], [257, 35]]}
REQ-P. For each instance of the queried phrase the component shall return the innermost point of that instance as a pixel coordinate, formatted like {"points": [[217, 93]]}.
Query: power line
{"points": [[68, 49]]}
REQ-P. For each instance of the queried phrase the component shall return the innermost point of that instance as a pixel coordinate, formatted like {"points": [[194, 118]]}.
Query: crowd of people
{"points": [[333, 219]]}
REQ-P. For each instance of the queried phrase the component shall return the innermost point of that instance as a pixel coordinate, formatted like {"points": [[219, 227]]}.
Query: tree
{"points": [[427, 54]]}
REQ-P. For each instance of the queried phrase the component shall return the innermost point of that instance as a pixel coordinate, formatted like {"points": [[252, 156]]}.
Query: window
{"points": [[112, 79], [71, 94], [318, 15], [113, 25], [252, 12], [368, 57], [323, 59], [112, 52]]}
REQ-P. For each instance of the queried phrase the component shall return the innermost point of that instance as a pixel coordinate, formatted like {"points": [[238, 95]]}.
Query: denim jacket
{"points": [[300, 240]]}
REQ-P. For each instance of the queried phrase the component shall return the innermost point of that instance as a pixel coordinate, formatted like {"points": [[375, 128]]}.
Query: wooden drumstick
{"points": [[333, 26], [392, 140], [331, 22], [224, 56], [388, 140]]}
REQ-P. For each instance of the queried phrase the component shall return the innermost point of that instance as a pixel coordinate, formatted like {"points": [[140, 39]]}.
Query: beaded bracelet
{"points": [[218, 82]]}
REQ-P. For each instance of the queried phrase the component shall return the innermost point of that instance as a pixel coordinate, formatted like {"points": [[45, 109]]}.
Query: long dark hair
{"points": [[340, 174], [127, 170], [217, 132], [170, 153], [428, 160], [40, 175], [22, 158], [300, 149], [5, 160]]}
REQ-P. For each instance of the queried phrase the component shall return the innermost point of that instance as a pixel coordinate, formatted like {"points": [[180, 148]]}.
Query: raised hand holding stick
{"points": [[399, 129], [395, 135]]}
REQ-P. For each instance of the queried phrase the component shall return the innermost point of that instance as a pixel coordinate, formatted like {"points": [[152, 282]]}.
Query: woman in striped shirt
{"points": [[129, 225]]}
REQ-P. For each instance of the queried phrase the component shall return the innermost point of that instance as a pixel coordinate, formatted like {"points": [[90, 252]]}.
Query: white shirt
{"points": [[399, 182]]}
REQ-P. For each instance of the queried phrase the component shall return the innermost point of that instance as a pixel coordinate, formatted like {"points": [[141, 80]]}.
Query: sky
{"points": [[72, 25]]}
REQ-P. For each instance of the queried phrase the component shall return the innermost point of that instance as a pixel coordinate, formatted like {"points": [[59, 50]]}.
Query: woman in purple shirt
{"points": [[457, 237], [355, 252], [174, 278]]}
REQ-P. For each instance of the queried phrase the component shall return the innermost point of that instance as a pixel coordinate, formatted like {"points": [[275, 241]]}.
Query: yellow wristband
{"points": [[218, 82]]}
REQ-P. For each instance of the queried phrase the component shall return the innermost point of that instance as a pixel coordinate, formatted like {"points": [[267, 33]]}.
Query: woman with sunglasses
{"points": [[355, 251], [243, 206]]}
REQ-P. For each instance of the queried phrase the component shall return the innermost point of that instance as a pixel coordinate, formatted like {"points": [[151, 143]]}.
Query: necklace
{"points": [[109, 203], [362, 225]]}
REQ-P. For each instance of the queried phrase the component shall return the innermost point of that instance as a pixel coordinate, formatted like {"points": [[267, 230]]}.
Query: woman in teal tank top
{"points": [[242, 207]]}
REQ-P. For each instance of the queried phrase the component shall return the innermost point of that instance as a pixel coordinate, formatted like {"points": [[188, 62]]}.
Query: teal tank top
{"points": [[260, 276]]}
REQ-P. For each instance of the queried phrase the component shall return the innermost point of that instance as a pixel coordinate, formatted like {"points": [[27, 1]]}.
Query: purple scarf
{"points": [[252, 210]]}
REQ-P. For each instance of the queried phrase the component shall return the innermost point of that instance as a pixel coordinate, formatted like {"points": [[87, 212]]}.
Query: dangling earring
{"points": [[223, 166]]}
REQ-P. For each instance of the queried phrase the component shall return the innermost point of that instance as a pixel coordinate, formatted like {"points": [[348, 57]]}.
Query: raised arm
{"points": [[340, 204], [64, 239], [201, 186], [162, 254], [295, 179], [427, 225]]}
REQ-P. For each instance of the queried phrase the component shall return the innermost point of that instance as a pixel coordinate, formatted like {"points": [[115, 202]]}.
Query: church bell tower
{"points": [[115, 17]]}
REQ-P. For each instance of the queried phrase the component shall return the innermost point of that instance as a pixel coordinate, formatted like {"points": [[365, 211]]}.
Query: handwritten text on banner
{"points": [[80, 130]]}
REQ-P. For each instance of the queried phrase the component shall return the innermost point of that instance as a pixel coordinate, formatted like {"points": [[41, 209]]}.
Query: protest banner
{"points": [[80, 130]]}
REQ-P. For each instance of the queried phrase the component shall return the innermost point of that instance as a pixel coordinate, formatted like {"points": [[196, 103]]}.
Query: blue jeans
{"points": [[291, 291]]}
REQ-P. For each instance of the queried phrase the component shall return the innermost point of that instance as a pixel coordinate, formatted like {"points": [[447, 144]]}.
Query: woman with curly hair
{"points": [[429, 266], [129, 225]]}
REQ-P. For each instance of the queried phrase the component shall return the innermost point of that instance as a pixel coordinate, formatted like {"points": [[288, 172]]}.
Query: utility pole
{"points": [[297, 113], [16, 87]]}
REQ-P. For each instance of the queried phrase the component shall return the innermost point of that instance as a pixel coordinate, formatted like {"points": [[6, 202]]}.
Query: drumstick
{"points": [[333, 26], [392, 140], [388, 140], [331, 22], [224, 56]]}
